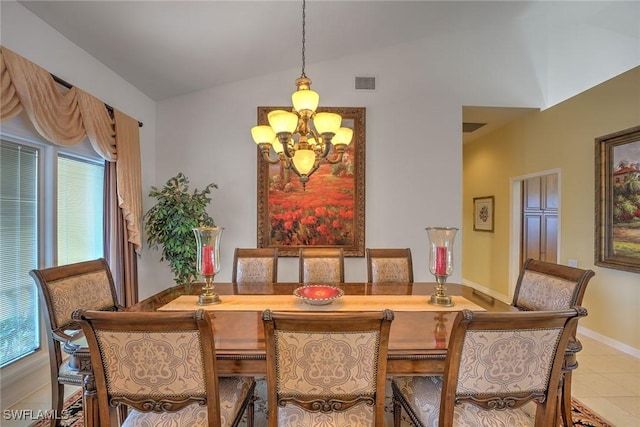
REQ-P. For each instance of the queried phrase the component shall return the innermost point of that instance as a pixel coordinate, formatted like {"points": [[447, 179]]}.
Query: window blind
{"points": [[19, 313], [80, 210]]}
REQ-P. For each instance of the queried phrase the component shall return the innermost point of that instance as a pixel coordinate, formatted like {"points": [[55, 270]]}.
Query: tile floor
{"points": [[607, 381]]}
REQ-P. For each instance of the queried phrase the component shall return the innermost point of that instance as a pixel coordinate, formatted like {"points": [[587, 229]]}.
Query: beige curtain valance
{"points": [[67, 118]]}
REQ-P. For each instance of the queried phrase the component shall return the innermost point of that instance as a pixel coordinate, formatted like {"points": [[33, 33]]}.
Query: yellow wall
{"points": [[561, 137]]}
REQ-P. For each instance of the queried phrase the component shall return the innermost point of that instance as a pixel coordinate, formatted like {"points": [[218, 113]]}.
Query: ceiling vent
{"points": [[470, 127], [365, 83]]}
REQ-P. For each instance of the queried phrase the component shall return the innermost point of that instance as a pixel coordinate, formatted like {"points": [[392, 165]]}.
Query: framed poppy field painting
{"points": [[329, 211]]}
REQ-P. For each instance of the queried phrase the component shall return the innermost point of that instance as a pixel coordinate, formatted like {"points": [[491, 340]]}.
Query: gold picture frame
{"points": [[330, 213], [617, 201], [483, 218]]}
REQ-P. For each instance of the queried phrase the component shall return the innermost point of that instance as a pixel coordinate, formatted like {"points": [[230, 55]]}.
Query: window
{"points": [[51, 207], [80, 207], [19, 325]]}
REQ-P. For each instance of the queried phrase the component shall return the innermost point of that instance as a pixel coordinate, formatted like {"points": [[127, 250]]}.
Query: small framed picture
{"points": [[483, 213]]}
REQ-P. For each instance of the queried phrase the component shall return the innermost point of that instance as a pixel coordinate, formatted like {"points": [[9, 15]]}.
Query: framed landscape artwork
{"points": [[483, 213], [330, 212], [617, 224]]}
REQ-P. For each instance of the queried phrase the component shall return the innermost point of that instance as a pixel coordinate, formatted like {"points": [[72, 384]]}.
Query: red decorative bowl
{"points": [[318, 294]]}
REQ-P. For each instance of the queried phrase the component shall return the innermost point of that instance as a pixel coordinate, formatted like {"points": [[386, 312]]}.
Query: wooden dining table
{"points": [[418, 338]]}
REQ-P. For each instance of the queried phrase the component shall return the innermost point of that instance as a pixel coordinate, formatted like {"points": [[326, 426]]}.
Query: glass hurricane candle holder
{"points": [[208, 261], [441, 261]]}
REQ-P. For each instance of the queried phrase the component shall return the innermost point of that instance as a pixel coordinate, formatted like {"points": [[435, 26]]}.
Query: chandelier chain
{"points": [[304, 15]]}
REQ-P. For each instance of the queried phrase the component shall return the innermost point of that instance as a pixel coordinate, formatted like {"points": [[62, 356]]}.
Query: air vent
{"points": [[365, 83], [470, 127]]}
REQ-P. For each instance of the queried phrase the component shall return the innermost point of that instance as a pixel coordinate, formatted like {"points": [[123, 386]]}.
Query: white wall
{"points": [[413, 160], [30, 37]]}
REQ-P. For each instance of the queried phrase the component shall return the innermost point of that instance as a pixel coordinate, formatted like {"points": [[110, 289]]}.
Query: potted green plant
{"points": [[170, 223]]}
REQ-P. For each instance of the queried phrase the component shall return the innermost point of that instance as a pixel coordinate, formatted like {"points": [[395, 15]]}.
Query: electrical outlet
{"points": [[572, 263]]}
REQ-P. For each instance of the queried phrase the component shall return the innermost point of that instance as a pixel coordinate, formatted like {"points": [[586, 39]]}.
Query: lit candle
{"points": [[207, 260], [441, 260]]}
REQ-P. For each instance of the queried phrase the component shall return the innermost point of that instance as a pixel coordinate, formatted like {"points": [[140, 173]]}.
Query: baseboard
{"points": [[500, 297], [22, 378], [632, 351]]}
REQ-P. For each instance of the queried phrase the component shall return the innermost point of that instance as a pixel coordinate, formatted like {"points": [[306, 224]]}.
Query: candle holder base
{"points": [[441, 300], [205, 299], [208, 296]]}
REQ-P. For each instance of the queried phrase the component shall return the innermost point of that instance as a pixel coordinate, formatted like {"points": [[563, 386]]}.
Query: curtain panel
{"points": [[67, 118]]}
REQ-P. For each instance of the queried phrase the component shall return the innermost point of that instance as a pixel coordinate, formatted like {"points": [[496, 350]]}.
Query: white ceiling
{"points": [[170, 48]]}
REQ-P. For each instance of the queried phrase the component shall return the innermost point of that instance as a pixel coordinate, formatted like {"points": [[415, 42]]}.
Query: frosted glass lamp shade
{"points": [[343, 136], [303, 160], [263, 134], [282, 121], [327, 122], [305, 100], [277, 146]]}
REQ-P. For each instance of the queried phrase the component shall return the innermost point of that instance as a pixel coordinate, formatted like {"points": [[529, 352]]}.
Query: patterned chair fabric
{"points": [[389, 265], [321, 266], [539, 291], [254, 270], [497, 362], [255, 265], [326, 369], [165, 372], [61, 290], [547, 286], [390, 270]]}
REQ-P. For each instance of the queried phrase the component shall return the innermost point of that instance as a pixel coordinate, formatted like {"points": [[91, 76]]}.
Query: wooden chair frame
{"points": [[581, 278], [199, 320], [371, 254], [496, 321], [334, 322], [255, 253], [61, 336], [306, 253]]}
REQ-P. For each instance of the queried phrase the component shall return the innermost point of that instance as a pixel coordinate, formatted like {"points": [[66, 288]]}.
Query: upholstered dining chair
{"points": [[255, 265], [162, 366], [62, 289], [321, 265], [548, 286], [497, 362], [386, 265], [326, 368]]}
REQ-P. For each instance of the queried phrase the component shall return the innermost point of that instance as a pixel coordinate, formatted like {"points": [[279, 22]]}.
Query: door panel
{"points": [[540, 218]]}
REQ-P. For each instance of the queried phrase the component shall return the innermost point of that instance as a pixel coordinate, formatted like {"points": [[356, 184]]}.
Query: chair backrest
{"points": [[255, 265], [152, 361], [326, 365], [503, 360], [547, 286], [62, 289], [321, 265], [389, 265]]}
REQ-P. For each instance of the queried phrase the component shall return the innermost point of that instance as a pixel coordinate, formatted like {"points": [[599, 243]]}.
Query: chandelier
{"points": [[301, 138]]}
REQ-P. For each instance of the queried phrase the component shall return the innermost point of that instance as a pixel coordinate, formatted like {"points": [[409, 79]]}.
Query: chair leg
{"points": [[57, 401], [397, 412], [565, 400], [251, 411]]}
